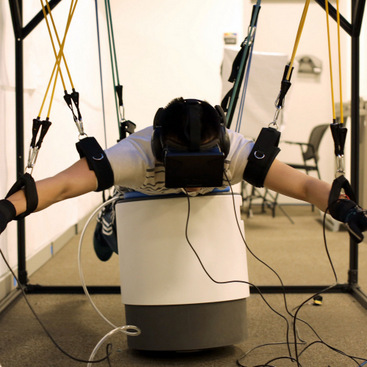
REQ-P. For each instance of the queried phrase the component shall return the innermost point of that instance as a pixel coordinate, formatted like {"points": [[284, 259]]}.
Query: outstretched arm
{"points": [[74, 181], [291, 182], [288, 181]]}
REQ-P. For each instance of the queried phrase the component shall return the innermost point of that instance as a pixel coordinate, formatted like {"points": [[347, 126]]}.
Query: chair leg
{"points": [[269, 203]]}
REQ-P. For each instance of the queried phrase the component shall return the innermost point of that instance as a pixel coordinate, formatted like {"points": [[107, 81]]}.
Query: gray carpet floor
{"points": [[295, 251]]}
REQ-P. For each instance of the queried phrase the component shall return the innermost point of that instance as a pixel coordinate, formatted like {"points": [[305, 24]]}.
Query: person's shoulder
{"points": [[235, 136], [147, 130], [141, 136], [143, 133], [239, 144]]}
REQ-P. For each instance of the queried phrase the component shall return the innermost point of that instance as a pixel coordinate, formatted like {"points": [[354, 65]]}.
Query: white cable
{"points": [[122, 329], [125, 328]]}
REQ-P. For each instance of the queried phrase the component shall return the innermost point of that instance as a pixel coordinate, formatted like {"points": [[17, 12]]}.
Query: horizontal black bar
{"points": [[339, 288], [355, 291], [44, 289], [71, 289]]}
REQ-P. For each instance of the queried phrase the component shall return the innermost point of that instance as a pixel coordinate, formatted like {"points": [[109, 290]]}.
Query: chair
{"points": [[310, 157], [310, 150]]}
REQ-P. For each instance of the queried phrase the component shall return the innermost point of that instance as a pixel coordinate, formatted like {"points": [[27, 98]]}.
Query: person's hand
{"points": [[7, 213], [352, 215]]}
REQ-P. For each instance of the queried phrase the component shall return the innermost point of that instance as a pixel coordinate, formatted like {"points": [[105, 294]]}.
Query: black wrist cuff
{"points": [[341, 209], [7, 211], [26, 183]]}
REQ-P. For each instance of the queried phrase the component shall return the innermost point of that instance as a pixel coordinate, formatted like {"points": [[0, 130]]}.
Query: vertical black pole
{"points": [[353, 247], [19, 123]]}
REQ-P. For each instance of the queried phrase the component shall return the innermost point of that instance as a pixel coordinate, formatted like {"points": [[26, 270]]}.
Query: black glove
{"points": [[352, 215], [7, 213]]}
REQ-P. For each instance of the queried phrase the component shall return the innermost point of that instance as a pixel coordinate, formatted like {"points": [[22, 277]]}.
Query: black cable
{"points": [[295, 318], [316, 294], [229, 281], [257, 347], [295, 333], [108, 351], [262, 262], [334, 349], [277, 359], [321, 341]]}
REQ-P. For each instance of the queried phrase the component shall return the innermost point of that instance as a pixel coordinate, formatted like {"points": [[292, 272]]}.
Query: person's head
{"points": [[189, 125], [191, 140]]}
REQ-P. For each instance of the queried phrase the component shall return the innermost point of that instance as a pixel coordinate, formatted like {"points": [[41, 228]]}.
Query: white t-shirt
{"points": [[135, 167]]}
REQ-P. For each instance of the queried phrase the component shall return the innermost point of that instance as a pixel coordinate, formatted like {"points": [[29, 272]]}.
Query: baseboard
{"points": [[8, 284]]}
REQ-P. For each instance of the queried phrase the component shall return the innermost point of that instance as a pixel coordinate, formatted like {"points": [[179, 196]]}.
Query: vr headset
{"points": [[195, 164]]}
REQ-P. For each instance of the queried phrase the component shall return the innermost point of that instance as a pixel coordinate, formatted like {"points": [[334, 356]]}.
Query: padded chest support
{"points": [[262, 156]]}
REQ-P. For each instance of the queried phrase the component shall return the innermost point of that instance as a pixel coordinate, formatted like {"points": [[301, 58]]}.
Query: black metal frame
{"points": [[353, 29]]}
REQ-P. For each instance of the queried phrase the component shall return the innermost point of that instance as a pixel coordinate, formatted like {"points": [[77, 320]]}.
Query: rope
{"points": [[40, 128], [71, 13], [340, 70], [298, 37], [249, 41], [51, 39], [339, 62], [101, 75], [113, 58], [125, 126], [244, 89], [59, 55], [330, 58]]}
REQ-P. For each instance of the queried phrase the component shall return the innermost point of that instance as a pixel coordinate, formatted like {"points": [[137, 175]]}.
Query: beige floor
{"points": [[295, 251]]}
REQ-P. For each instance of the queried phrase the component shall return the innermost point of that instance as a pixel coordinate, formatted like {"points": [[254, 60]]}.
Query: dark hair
{"points": [[176, 114]]}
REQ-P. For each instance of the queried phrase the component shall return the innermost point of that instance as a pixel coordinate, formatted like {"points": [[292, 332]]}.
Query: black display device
{"points": [[194, 169], [194, 163]]}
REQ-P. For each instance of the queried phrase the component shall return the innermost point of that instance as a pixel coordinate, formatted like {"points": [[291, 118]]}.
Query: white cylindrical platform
{"points": [[165, 289]]}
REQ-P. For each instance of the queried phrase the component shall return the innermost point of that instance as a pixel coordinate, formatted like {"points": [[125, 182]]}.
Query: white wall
{"points": [[309, 100], [165, 49], [171, 48], [58, 150]]}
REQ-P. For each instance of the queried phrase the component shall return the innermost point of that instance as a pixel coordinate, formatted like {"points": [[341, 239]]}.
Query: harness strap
{"points": [[97, 161], [262, 156], [27, 183]]}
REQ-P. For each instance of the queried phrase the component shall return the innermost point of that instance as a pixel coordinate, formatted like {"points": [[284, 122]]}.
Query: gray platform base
{"points": [[187, 327]]}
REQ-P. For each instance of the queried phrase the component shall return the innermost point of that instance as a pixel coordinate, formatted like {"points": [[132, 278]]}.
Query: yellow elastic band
{"points": [[330, 58], [340, 67], [298, 37], [59, 55], [61, 45], [51, 39]]}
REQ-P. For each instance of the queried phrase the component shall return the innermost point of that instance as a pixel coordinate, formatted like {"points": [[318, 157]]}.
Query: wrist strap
{"points": [[7, 210], [27, 183], [335, 193]]}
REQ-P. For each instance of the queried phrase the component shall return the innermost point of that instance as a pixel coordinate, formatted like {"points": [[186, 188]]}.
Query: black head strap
{"points": [[193, 124]]}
